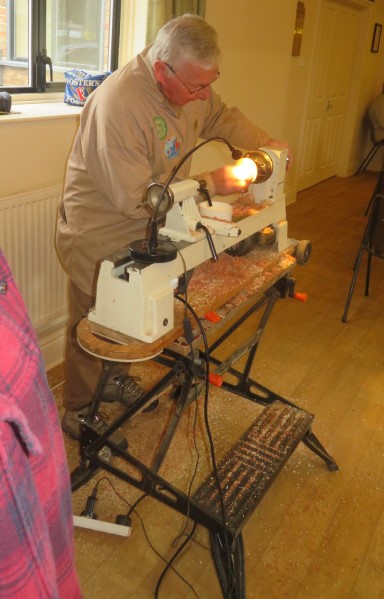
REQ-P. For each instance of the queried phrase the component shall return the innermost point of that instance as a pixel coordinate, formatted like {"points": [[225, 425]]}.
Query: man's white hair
{"points": [[187, 38]]}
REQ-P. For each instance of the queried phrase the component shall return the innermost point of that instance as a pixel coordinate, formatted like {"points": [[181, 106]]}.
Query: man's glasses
{"points": [[195, 91]]}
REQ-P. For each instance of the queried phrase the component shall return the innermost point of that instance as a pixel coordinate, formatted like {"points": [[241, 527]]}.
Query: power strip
{"points": [[91, 523]]}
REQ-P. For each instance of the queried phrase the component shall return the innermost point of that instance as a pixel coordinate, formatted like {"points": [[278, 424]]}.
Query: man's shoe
{"points": [[125, 389], [72, 420], [122, 388]]}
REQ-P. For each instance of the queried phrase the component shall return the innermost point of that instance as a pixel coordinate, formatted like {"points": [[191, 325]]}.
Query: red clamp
{"points": [[212, 316], [215, 379], [302, 297]]}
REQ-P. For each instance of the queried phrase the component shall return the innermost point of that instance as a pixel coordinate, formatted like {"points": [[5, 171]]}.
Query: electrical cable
{"points": [[133, 506], [133, 509], [185, 278], [210, 440], [189, 338], [169, 564], [209, 434], [177, 539]]}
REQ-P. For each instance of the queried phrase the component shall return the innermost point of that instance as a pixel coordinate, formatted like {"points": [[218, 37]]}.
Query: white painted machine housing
{"points": [[138, 299]]}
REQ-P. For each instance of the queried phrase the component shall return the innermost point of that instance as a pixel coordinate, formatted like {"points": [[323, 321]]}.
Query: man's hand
{"points": [[225, 181]]}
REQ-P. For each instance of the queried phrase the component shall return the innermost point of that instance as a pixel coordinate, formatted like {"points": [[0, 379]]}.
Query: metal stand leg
{"points": [[230, 564], [250, 389], [313, 443], [182, 402], [86, 470], [99, 393], [92, 442]]}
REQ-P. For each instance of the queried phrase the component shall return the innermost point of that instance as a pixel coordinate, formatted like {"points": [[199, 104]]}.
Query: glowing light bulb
{"points": [[245, 170]]}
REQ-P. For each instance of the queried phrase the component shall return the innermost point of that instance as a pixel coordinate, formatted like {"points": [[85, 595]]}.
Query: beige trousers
{"points": [[81, 369]]}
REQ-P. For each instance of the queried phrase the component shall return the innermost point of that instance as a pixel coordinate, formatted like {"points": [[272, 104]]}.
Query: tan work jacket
{"points": [[129, 137]]}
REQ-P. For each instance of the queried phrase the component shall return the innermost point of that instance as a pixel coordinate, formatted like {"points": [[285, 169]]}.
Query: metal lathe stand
{"points": [[228, 496]]}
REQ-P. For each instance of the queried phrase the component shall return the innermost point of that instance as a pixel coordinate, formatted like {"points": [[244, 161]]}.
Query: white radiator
{"points": [[27, 229]]}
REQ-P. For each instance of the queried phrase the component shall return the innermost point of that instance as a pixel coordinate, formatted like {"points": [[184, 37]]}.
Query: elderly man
{"points": [[134, 129]]}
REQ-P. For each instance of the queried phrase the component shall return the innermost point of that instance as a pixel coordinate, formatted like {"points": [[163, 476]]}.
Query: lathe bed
{"points": [[266, 266]]}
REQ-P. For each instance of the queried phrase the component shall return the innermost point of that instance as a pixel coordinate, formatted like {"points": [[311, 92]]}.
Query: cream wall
{"points": [[256, 41], [35, 151]]}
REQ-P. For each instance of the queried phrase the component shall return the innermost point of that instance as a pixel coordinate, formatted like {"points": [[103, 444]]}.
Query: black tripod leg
{"points": [[368, 158], [352, 287], [369, 205], [230, 565], [367, 279]]}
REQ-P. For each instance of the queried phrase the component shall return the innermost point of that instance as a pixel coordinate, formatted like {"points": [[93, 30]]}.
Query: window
{"points": [[41, 39]]}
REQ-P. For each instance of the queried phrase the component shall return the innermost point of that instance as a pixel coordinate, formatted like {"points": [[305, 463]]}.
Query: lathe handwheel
{"points": [[303, 251]]}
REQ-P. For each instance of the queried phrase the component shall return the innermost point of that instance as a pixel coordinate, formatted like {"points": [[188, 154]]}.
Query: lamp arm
{"points": [[236, 154], [153, 239]]}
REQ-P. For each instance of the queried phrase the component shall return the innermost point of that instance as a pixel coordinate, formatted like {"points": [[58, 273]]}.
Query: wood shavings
{"points": [[245, 206], [214, 283], [260, 269]]}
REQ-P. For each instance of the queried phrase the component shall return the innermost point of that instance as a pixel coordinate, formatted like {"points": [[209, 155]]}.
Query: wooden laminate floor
{"points": [[316, 534]]}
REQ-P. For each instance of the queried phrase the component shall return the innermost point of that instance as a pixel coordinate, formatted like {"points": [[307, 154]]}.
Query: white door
{"points": [[332, 72]]}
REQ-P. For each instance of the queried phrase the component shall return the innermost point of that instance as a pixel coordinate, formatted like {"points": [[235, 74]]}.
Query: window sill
{"points": [[28, 109]]}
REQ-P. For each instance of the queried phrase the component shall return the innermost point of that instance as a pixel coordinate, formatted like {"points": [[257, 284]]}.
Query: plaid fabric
{"points": [[36, 539]]}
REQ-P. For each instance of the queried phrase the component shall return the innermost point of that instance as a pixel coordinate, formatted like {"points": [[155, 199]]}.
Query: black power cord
{"points": [[188, 332], [132, 508], [169, 564], [209, 435], [89, 510]]}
